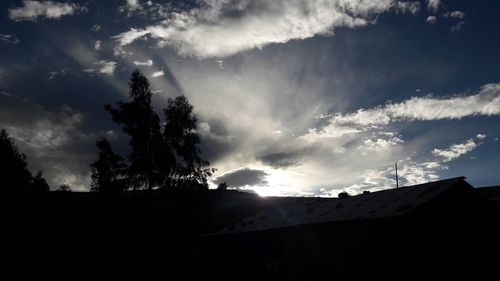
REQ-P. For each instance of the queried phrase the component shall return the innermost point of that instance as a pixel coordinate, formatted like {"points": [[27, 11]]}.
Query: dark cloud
{"points": [[282, 159], [53, 141], [243, 177]]}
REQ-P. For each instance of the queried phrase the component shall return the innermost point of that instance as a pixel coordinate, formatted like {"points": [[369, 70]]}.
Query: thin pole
{"points": [[397, 180]]}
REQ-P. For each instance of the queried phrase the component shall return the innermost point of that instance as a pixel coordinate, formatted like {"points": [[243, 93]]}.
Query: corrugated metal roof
{"points": [[381, 204]]}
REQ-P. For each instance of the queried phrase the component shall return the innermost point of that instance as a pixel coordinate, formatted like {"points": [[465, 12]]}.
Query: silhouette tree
{"points": [[64, 188], [343, 194], [107, 170], [13, 171], [180, 135], [142, 124], [161, 157], [222, 186], [39, 184]]}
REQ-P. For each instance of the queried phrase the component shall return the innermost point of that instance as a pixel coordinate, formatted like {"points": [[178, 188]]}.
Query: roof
{"points": [[375, 205]]}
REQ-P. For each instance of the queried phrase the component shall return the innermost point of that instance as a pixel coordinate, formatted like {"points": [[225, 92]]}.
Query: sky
{"points": [[294, 98]]}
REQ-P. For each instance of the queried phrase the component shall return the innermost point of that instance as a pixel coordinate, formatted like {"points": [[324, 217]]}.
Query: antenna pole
{"points": [[397, 180]]}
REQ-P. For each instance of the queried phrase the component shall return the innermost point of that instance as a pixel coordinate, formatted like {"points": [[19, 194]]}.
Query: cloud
{"points": [[407, 7], [219, 28], [243, 178], [380, 144], [144, 63], [158, 74], [486, 103], [481, 136], [455, 14], [103, 67], [52, 139], [431, 19], [131, 7], [433, 5], [11, 39], [455, 150], [458, 26], [126, 38], [32, 10], [411, 171], [149, 9], [96, 28], [98, 45], [283, 159]]}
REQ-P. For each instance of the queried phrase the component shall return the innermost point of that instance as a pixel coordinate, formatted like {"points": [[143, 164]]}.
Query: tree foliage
{"points": [[142, 124], [64, 188], [14, 173], [180, 135], [162, 156], [107, 170], [39, 184]]}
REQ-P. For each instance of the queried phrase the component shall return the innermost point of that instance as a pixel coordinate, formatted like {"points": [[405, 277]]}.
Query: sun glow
{"points": [[279, 183]]}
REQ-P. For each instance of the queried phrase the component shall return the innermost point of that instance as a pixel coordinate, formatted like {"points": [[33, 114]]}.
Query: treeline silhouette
{"points": [[14, 173], [164, 156]]}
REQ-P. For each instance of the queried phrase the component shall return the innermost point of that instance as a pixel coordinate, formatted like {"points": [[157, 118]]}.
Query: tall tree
{"points": [[14, 173], [168, 158], [39, 184], [180, 135], [107, 171], [142, 124]]}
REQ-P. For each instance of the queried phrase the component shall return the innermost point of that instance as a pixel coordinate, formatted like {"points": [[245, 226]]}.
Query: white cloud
{"points": [[458, 26], [48, 130], [98, 45], [455, 14], [32, 10], [481, 136], [218, 28], [107, 67], [144, 63], [9, 39], [407, 7], [126, 38], [96, 28], [148, 9], [130, 36], [103, 67], [486, 103], [433, 5], [158, 73], [455, 150], [431, 19], [379, 144], [131, 7], [413, 172]]}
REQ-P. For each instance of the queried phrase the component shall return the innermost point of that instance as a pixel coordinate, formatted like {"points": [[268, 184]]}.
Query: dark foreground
{"points": [[148, 235]]}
